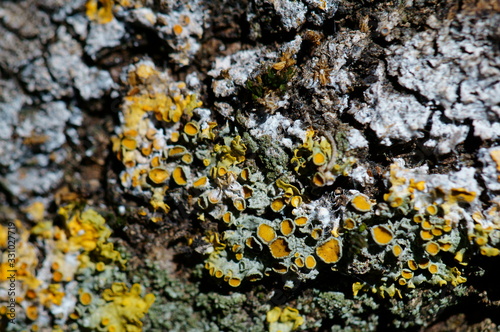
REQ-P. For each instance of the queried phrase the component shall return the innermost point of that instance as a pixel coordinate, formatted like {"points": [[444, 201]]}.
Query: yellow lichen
{"points": [[283, 320], [124, 309], [100, 11], [489, 251]]}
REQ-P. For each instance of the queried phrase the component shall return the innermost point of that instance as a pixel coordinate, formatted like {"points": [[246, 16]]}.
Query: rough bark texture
{"points": [[376, 121]]}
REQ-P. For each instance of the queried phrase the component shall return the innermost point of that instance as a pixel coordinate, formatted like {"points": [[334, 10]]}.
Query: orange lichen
{"points": [[310, 262], [423, 263], [397, 201], [330, 251], [191, 128], [57, 276], [85, 298], [316, 233], [412, 265], [201, 182], [234, 282], [349, 223], [277, 204], [495, 155], [227, 217], [461, 195], [245, 174], [426, 224], [432, 248], [32, 313], [177, 151], [426, 235], [432, 209], [177, 29], [361, 203], [301, 221], [319, 179], [214, 196], [445, 246], [251, 242], [287, 227], [129, 143], [279, 248], [407, 274], [299, 261], [418, 218], [187, 158], [280, 268], [266, 233], [433, 268], [319, 159], [296, 201], [397, 250], [436, 231], [179, 176], [158, 175], [247, 191], [382, 235], [239, 204]]}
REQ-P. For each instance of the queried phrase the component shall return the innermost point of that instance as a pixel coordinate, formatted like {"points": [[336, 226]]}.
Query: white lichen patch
{"points": [[446, 136], [238, 67], [392, 115], [456, 70], [490, 159], [356, 140], [276, 126]]}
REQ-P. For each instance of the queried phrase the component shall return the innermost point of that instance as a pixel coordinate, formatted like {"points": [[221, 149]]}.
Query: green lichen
{"points": [[272, 156], [183, 306]]}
